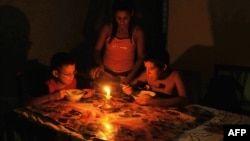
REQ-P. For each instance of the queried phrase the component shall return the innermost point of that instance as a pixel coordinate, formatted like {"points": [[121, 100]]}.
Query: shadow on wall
{"points": [[83, 52], [230, 29], [230, 24], [198, 62], [14, 44], [198, 58]]}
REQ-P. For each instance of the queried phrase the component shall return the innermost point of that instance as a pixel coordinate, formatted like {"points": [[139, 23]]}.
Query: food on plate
{"points": [[74, 94]]}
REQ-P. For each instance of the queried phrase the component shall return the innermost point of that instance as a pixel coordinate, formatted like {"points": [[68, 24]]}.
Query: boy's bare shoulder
{"points": [[175, 74]]}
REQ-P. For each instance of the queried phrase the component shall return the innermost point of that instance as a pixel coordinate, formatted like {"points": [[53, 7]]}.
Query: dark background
{"points": [[33, 30]]}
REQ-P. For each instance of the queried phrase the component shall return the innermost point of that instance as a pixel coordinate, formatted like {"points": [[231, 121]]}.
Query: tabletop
{"points": [[121, 119]]}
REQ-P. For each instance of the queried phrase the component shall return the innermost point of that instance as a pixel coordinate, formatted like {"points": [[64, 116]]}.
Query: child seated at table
{"points": [[62, 77], [160, 78]]}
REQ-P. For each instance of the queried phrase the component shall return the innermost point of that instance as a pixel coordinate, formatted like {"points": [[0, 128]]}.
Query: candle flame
{"points": [[107, 89]]}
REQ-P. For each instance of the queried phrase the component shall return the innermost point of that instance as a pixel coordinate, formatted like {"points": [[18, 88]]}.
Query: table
{"points": [[89, 119]]}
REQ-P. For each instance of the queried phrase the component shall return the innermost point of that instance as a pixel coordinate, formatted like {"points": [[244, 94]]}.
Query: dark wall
{"points": [[32, 31], [204, 33]]}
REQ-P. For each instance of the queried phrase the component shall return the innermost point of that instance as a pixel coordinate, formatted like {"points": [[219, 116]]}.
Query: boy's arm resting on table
{"points": [[40, 94], [31, 100], [36, 100]]}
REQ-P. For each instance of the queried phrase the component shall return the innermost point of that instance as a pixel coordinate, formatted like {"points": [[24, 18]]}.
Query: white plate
{"points": [[151, 93]]}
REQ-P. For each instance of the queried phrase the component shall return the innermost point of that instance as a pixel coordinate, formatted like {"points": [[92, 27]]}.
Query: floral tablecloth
{"points": [[91, 119]]}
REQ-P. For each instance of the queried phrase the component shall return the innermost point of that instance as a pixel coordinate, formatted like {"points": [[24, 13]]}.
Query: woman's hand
{"points": [[88, 93], [127, 89], [95, 72]]}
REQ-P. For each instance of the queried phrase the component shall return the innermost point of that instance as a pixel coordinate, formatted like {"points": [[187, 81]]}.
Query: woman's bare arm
{"points": [[139, 39], [94, 73], [100, 43]]}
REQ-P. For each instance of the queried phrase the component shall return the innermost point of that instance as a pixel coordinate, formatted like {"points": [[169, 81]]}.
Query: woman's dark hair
{"points": [[126, 5], [59, 59], [159, 59]]}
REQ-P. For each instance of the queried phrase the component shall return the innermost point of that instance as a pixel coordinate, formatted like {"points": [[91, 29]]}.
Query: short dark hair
{"points": [[127, 5], [159, 59], [60, 59]]}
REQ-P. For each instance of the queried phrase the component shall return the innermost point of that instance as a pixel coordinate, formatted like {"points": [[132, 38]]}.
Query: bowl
{"points": [[74, 94], [145, 92]]}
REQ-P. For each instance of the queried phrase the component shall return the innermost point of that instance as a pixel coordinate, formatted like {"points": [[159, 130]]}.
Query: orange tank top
{"points": [[54, 87], [119, 54]]}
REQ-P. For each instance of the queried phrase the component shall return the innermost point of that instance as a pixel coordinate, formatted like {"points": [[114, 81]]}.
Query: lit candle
{"points": [[108, 96]]}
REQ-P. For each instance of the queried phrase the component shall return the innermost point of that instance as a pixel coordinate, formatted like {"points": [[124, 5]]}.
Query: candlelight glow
{"points": [[108, 126], [108, 95], [108, 131]]}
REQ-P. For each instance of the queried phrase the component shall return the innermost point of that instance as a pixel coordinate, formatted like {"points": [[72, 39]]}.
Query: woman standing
{"points": [[122, 43]]}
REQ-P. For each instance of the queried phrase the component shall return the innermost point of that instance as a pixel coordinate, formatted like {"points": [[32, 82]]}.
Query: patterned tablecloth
{"points": [[91, 119]]}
